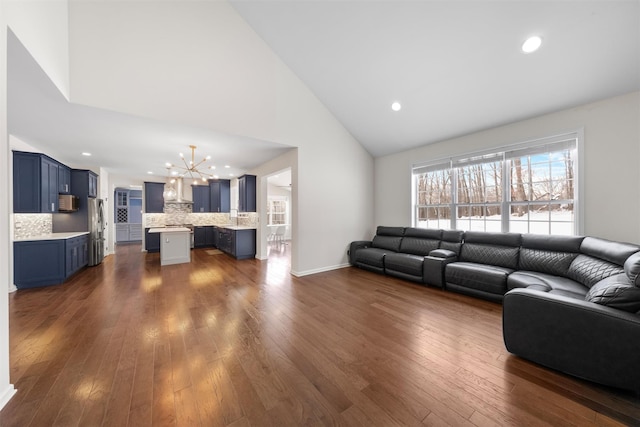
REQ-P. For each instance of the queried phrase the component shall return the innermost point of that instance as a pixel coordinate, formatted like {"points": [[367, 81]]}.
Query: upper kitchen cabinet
{"points": [[153, 198], [84, 183], [93, 184], [35, 183], [201, 198], [220, 195], [247, 193], [64, 179]]}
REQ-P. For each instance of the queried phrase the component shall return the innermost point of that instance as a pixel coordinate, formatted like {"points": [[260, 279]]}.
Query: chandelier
{"points": [[192, 169]]}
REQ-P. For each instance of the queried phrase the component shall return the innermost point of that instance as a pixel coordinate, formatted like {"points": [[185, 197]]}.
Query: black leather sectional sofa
{"points": [[571, 303]]}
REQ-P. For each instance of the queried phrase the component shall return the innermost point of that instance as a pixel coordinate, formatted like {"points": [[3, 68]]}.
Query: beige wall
{"points": [[610, 169]]}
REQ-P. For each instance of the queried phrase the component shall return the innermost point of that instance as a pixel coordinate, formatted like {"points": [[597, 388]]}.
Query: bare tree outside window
{"points": [[539, 187]]}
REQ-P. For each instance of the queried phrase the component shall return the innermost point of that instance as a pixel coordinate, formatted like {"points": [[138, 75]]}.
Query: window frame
{"points": [[505, 155]]}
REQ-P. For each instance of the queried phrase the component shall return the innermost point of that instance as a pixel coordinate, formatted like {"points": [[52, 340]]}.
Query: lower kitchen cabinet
{"points": [[204, 236], [151, 241], [48, 262], [76, 254], [240, 244]]}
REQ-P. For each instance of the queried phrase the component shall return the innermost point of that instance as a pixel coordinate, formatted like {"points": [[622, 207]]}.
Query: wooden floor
{"points": [[220, 342]]}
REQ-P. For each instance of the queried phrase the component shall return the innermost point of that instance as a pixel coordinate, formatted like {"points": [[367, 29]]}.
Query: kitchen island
{"points": [[239, 241], [175, 244]]}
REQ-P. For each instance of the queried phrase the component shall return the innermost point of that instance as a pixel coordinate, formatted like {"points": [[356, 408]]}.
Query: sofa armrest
{"points": [[581, 338], [433, 268], [442, 253], [354, 246]]}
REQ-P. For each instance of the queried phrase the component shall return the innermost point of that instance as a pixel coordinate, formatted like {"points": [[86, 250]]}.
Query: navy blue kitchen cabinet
{"points": [[64, 179], [241, 244], [35, 183], [201, 198], [93, 184], [38, 263], [84, 183], [247, 193], [48, 262], [220, 195], [76, 254], [151, 241], [153, 198], [203, 236]]}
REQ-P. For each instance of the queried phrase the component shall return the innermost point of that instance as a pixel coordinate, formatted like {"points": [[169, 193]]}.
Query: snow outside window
{"points": [[525, 188]]}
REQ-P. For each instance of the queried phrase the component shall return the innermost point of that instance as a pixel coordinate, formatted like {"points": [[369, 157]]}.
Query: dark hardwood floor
{"points": [[220, 342]]}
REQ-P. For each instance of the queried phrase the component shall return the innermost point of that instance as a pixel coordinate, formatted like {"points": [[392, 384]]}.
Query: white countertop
{"points": [[53, 236], [237, 227], [170, 230]]}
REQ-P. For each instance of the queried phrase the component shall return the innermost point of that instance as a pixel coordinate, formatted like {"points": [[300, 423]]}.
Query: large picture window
{"points": [[526, 188]]}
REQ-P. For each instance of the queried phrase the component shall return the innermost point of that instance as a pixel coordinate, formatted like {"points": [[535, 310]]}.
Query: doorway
{"points": [[278, 218], [128, 215]]}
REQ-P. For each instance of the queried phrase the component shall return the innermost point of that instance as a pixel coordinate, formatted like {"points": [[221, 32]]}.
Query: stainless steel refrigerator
{"points": [[96, 231], [89, 217]]}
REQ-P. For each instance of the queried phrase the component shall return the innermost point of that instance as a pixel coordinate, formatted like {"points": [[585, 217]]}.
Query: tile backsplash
{"points": [[31, 225], [199, 219]]}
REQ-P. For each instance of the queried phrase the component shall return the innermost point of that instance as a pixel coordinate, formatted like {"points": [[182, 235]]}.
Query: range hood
{"points": [[175, 196]]}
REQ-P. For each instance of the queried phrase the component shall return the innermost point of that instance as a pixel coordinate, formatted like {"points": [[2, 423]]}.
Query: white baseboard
{"points": [[319, 270], [7, 395], [12, 288]]}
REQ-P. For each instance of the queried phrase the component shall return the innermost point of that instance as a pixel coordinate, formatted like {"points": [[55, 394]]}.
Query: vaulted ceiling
{"points": [[456, 67]]}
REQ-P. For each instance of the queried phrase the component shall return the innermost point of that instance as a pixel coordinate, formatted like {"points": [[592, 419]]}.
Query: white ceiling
{"points": [[455, 66], [39, 115]]}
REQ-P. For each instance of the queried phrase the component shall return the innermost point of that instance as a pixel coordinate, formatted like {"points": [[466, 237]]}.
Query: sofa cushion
{"points": [[417, 246], [423, 233], [386, 242], [502, 256], [632, 268], [370, 256], [552, 243], [452, 240], [546, 283], [589, 271], [390, 231], [617, 292], [486, 278], [551, 262], [499, 249], [406, 263], [614, 252]]}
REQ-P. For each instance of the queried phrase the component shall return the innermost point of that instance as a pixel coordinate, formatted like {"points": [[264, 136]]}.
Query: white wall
{"points": [[199, 63], [42, 27], [6, 388], [610, 174]]}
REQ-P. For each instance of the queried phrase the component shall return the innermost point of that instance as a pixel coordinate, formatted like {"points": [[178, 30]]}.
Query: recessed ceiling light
{"points": [[227, 166], [230, 174], [150, 173], [531, 44], [396, 106], [86, 154]]}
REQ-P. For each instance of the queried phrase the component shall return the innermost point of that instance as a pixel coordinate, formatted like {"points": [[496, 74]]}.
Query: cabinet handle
{"points": [[52, 206]]}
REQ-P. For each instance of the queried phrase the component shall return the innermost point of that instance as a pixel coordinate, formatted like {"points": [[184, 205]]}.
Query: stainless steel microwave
{"points": [[68, 203]]}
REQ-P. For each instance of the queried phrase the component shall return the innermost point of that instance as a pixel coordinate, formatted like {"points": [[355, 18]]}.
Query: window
{"points": [[277, 211], [525, 188]]}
